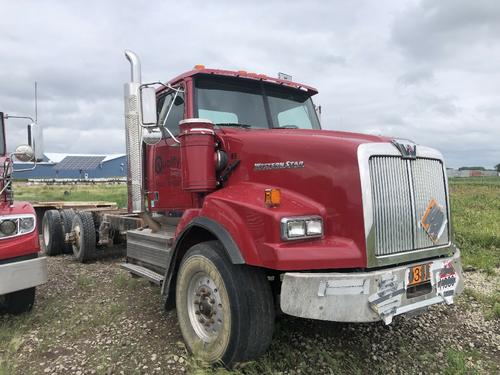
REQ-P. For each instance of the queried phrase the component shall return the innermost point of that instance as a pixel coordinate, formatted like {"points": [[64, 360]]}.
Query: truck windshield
{"points": [[239, 102], [2, 136]]}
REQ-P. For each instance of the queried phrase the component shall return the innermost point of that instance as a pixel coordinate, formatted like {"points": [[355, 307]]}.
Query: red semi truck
{"points": [[241, 206], [253, 208], [21, 269]]}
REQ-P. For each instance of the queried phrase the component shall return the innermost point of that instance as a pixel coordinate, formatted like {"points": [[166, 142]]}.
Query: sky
{"points": [[424, 70]]}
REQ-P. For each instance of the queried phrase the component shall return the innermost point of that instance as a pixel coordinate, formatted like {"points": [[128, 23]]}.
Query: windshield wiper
{"points": [[235, 124]]}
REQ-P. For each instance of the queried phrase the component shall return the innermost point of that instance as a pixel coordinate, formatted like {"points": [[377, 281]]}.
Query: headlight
{"points": [[16, 225], [8, 227], [27, 224], [294, 228]]}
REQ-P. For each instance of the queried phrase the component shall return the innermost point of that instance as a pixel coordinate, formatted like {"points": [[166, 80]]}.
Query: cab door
{"points": [[165, 192]]}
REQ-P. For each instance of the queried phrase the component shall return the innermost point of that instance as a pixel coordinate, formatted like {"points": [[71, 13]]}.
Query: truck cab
{"points": [[21, 269], [254, 208]]}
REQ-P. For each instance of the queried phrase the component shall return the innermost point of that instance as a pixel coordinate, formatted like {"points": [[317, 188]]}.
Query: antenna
{"points": [[36, 101]]}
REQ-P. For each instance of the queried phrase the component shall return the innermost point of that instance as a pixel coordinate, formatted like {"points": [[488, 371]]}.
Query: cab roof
{"points": [[245, 75]]}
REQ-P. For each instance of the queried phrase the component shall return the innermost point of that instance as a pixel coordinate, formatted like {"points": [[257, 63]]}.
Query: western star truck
{"points": [[240, 206], [21, 269]]}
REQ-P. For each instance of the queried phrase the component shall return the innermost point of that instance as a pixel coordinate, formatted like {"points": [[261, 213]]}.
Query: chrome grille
{"points": [[428, 183], [401, 192]]}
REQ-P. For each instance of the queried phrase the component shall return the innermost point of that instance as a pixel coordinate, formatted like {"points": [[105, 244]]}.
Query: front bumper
{"points": [[368, 296], [22, 274]]}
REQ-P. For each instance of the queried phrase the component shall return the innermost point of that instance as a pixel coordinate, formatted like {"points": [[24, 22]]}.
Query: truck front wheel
{"points": [[19, 302], [225, 311]]}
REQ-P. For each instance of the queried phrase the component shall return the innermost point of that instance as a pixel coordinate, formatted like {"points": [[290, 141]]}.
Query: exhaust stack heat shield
{"points": [[133, 134]]}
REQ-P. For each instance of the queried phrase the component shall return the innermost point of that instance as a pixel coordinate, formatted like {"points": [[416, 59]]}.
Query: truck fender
{"points": [[217, 231]]}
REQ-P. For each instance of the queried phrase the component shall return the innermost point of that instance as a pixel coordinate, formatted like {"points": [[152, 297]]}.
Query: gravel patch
{"points": [[96, 319]]}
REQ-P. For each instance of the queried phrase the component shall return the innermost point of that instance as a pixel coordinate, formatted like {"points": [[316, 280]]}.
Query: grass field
{"points": [[475, 204], [72, 192]]}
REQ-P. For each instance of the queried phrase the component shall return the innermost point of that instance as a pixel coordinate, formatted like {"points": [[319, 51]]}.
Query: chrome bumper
{"points": [[22, 275], [367, 296]]}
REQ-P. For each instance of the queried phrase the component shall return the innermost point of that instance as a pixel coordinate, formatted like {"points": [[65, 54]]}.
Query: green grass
{"points": [[475, 207], [76, 193], [481, 181], [489, 303], [456, 364]]}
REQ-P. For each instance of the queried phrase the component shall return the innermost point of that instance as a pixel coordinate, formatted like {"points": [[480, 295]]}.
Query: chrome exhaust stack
{"points": [[133, 134]]}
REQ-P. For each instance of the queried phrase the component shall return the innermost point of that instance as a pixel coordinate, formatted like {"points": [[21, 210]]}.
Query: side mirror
{"points": [[35, 140], [148, 107], [24, 153]]}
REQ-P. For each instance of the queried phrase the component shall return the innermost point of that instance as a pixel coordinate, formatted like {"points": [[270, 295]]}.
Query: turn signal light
{"points": [[272, 197]]}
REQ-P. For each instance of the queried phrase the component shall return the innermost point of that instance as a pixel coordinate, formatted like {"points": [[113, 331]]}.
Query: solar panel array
{"points": [[84, 163]]}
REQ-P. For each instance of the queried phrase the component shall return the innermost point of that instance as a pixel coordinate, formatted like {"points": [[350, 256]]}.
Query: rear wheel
{"points": [[225, 311], [67, 216], [84, 229], [19, 302], [53, 240]]}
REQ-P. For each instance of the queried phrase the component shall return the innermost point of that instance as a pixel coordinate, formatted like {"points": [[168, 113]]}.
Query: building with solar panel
{"points": [[75, 166]]}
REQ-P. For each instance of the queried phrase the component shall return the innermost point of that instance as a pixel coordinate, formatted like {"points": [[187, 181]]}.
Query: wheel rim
{"points": [[77, 231], [205, 307], [46, 233]]}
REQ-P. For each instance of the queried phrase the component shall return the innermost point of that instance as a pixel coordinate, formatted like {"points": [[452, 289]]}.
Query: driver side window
{"points": [[173, 106]]}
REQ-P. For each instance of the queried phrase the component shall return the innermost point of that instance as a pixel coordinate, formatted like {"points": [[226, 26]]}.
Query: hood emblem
{"points": [[289, 164], [407, 148]]}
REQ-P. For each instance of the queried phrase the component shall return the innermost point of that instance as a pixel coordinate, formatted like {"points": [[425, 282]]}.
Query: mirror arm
{"points": [[165, 85], [7, 184], [177, 90], [22, 170], [25, 117], [166, 117]]}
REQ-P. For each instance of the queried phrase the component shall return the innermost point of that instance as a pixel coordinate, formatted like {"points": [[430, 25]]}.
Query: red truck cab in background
{"points": [[21, 269]]}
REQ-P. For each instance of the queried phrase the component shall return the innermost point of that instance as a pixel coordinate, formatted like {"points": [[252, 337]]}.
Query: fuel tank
{"points": [[197, 155]]}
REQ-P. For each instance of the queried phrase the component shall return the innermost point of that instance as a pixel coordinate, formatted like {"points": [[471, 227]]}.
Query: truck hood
{"points": [[321, 165], [17, 208]]}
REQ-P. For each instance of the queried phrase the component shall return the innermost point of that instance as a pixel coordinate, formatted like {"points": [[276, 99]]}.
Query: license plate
{"points": [[419, 274]]}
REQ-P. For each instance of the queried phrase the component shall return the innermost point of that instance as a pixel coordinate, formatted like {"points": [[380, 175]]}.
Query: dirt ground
{"points": [[96, 319]]}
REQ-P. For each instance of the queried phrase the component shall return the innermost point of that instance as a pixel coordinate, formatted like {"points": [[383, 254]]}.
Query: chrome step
{"points": [[143, 272], [150, 249]]}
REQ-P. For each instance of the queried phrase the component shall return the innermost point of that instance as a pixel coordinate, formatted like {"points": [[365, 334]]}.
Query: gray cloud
{"points": [[440, 29], [423, 70], [416, 76]]}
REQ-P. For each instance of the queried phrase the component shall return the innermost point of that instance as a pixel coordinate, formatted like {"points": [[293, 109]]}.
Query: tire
{"points": [[19, 302], [84, 245], [225, 311], [53, 240], [67, 216]]}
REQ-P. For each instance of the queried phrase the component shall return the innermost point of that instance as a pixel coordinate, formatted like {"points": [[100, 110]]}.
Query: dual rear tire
{"points": [[225, 311], [56, 224], [53, 233]]}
